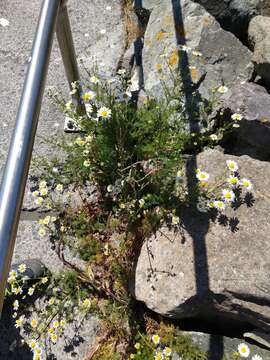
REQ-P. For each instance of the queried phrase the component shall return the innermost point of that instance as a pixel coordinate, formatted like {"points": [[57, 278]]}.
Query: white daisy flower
{"points": [[86, 163], [256, 357], [237, 117], [243, 350], [42, 184], [33, 344], [59, 187], [213, 137], [104, 112], [222, 89], [88, 96], [41, 232], [228, 195], [219, 205], [233, 181], [246, 184], [202, 176], [156, 339], [19, 322], [16, 305], [88, 109], [39, 201], [69, 105], [22, 268], [31, 291], [94, 79], [232, 165], [4, 22]]}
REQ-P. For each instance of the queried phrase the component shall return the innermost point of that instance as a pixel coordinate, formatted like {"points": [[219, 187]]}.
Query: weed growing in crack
{"points": [[108, 190]]}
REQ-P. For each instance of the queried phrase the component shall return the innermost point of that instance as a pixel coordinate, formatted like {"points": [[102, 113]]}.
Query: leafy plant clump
{"points": [[108, 190]]}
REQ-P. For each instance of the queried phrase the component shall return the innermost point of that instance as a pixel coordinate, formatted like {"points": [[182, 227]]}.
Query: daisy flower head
{"points": [[246, 183], [156, 339], [46, 220], [86, 163], [39, 201], [51, 301], [256, 357], [233, 181], [55, 324], [35, 193], [202, 176], [243, 350], [104, 112], [213, 137], [54, 338], [87, 303], [159, 356], [33, 344], [16, 305], [38, 350], [22, 268], [19, 322], [219, 205], [167, 351], [94, 79], [42, 184], [88, 109], [59, 187], [222, 89], [4, 22], [44, 280], [34, 323], [232, 165], [88, 96], [228, 195], [44, 191], [31, 291], [237, 117], [41, 232]]}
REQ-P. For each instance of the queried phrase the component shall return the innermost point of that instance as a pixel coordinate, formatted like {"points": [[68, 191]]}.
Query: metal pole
{"points": [[65, 40], [20, 151]]}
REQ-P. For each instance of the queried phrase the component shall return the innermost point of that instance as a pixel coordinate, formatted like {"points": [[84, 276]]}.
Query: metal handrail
{"points": [[53, 16]]}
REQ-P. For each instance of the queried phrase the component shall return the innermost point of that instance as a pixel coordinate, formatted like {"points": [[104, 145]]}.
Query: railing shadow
{"points": [[216, 350], [11, 345]]}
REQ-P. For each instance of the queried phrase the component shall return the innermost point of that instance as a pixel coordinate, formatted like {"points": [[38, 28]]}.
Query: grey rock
{"points": [[234, 15], [228, 63], [253, 102], [213, 267], [259, 38], [222, 347], [94, 48]]}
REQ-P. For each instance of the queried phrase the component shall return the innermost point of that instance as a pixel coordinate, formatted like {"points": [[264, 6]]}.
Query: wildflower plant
{"points": [[110, 187]]}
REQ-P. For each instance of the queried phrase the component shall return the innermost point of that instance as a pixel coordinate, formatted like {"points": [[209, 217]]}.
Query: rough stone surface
{"points": [[218, 346], [234, 15], [259, 38], [87, 18], [213, 267], [191, 25], [253, 102]]}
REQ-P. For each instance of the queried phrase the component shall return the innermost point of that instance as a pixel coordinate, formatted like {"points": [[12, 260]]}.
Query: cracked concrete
{"points": [[88, 18]]}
